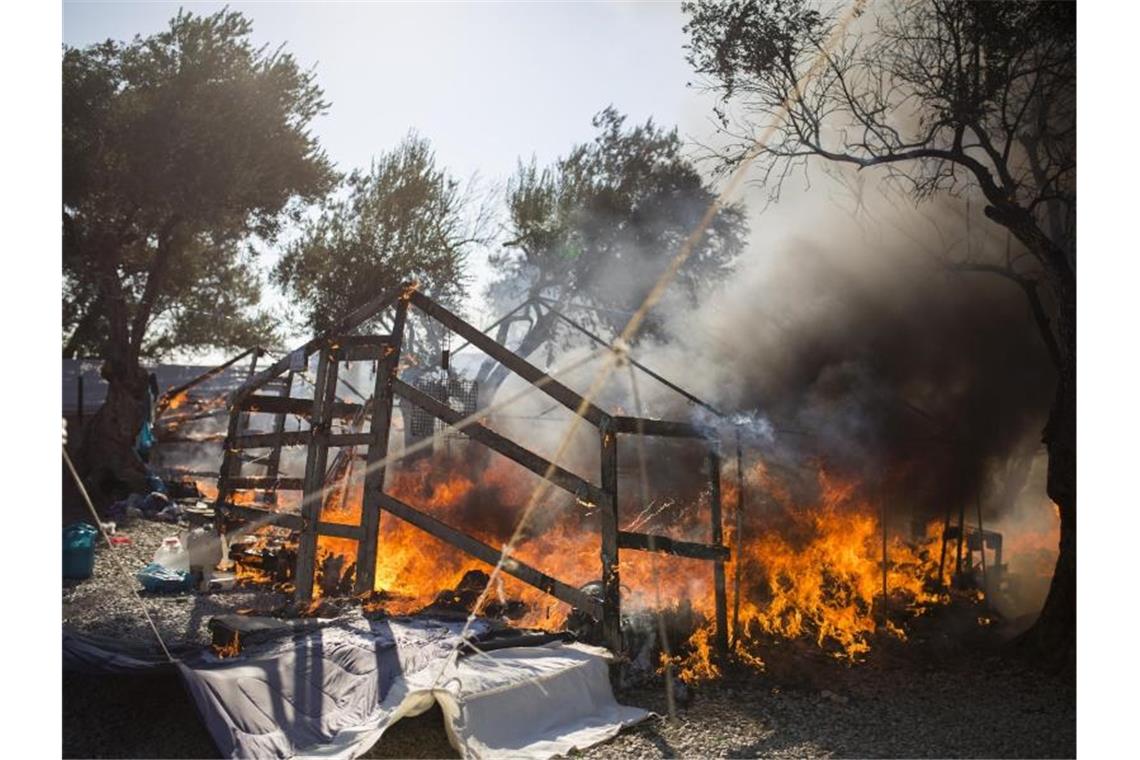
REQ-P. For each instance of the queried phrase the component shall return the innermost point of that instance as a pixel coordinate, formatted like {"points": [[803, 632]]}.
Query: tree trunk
{"points": [[110, 465], [1052, 639]]}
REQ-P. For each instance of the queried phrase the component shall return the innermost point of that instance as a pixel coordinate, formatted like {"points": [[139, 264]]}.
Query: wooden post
{"points": [[942, 558], [961, 538], [252, 372], [315, 462], [718, 564], [611, 583], [884, 520], [982, 543], [273, 465], [379, 430], [738, 560]]}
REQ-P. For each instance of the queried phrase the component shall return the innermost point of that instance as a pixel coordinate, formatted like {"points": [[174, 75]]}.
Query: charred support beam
{"points": [[378, 452], [280, 484], [525, 573], [608, 512], [298, 438], [273, 466], [315, 465], [650, 543], [302, 407], [289, 520], [581, 488], [664, 428], [509, 359], [718, 563]]}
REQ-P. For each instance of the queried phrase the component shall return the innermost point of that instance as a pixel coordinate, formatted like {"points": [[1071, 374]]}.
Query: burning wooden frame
{"points": [[338, 345]]}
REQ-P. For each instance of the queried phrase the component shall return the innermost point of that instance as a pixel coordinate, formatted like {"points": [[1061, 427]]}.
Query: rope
{"points": [[114, 555]]}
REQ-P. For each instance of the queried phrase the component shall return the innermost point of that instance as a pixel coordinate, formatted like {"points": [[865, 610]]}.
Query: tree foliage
{"points": [[176, 149], [598, 227], [403, 219]]}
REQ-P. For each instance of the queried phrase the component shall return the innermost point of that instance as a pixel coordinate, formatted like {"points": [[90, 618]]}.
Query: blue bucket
{"points": [[79, 550]]}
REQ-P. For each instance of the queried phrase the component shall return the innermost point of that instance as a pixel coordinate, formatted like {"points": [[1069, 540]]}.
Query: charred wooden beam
{"points": [[721, 598], [298, 438], [512, 361], [525, 573], [278, 483], [580, 487], [664, 428], [302, 407], [338, 530], [315, 465], [378, 452], [650, 543], [290, 520], [608, 513]]}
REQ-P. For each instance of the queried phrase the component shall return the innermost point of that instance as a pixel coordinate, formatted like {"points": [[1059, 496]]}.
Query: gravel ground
{"points": [[895, 706], [965, 710], [105, 605]]}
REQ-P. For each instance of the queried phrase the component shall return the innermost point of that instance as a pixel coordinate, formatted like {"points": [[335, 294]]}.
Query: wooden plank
{"points": [[337, 530], [302, 407], [378, 434], [231, 462], [663, 428], [273, 440], [316, 463], [647, 542], [512, 361], [273, 465], [259, 481], [358, 353], [290, 520], [608, 513], [560, 477], [298, 438], [720, 597], [529, 575]]}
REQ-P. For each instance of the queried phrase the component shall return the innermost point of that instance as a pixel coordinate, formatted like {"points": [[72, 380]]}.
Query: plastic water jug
{"points": [[172, 555], [79, 550]]}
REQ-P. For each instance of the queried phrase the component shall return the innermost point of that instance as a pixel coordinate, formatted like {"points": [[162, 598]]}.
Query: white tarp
{"points": [[332, 692]]}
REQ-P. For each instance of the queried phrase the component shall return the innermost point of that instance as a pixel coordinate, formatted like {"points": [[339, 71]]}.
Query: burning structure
{"points": [[337, 506], [332, 521]]}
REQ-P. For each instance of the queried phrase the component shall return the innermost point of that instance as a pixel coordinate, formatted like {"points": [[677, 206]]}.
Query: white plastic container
{"points": [[172, 555]]}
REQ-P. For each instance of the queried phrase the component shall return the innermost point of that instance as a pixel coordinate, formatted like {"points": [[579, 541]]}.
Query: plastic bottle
{"points": [[172, 555]]}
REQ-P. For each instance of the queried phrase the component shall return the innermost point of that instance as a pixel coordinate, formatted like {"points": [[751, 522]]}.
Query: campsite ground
{"points": [[968, 707]]}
